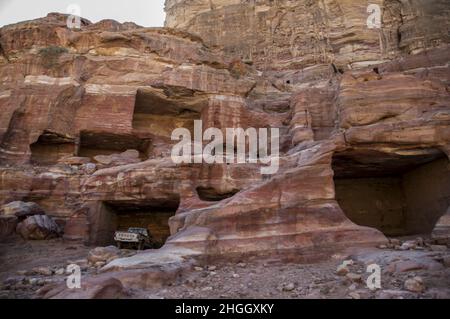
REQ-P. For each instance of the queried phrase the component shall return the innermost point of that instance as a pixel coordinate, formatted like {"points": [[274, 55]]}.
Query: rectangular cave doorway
{"points": [[112, 216], [51, 147], [93, 144], [399, 195]]}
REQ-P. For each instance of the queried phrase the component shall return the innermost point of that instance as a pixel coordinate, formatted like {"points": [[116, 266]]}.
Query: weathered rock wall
{"points": [[288, 35], [74, 101]]}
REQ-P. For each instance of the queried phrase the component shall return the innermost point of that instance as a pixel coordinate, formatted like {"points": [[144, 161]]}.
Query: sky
{"points": [[147, 13]]}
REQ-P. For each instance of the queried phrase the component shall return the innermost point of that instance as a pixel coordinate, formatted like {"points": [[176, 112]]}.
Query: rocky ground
{"points": [[411, 269]]}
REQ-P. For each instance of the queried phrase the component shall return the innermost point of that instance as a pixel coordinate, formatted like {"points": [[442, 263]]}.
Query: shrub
{"points": [[51, 54]]}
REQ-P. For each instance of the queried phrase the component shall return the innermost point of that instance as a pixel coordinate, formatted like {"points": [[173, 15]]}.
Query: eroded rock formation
{"points": [[364, 118]]}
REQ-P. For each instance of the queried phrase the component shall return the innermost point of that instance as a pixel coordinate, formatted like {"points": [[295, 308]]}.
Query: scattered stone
{"points": [[438, 248], [88, 168], [404, 266], [212, 268], [354, 295], [342, 270], [60, 271], [288, 287], [348, 262], [82, 263], [92, 288], [394, 294], [236, 276], [44, 271], [353, 287], [198, 268], [408, 245], [33, 281], [415, 285], [104, 254], [354, 277], [242, 265]]}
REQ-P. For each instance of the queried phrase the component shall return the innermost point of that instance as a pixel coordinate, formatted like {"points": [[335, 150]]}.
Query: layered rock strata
{"points": [[364, 124]]}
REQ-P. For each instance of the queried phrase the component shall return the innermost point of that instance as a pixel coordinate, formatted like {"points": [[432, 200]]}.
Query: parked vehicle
{"points": [[139, 238]]}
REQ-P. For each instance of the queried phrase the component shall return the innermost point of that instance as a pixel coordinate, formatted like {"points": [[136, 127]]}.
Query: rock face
{"points": [[21, 209], [364, 119], [294, 35]]}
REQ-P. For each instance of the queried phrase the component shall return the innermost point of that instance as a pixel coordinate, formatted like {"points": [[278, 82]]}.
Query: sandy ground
{"points": [[25, 267]]}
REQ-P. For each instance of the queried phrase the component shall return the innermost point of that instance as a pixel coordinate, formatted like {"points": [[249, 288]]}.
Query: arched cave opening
{"points": [[50, 147], [210, 194], [112, 216], [399, 195], [105, 143], [160, 111]]}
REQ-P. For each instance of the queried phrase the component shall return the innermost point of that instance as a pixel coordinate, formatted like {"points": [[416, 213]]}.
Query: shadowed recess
{"points": [[397, 194]]}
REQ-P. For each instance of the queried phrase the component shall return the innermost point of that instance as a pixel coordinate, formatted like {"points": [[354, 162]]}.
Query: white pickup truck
{"points": [[138, 237]]}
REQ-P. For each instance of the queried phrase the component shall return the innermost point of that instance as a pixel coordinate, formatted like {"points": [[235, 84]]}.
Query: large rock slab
{"points": [[21, 209], [38, 227]]}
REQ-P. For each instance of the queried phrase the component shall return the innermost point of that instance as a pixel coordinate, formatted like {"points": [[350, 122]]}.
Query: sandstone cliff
{"points": [[364, 117]]}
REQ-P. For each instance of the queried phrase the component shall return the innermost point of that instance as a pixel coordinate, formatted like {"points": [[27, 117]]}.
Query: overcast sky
{"points": [[148, 13]]}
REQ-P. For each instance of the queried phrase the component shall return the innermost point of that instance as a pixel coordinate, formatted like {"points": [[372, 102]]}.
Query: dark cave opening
{"points": [[160, 111], [210, 194], [51, 147], [112, 216], [102, 143], [397, 194]]}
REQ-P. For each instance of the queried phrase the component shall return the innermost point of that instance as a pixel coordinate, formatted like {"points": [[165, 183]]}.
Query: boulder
{"points": [[103, 254], [415, 285], [21, 209], [38, 227]]}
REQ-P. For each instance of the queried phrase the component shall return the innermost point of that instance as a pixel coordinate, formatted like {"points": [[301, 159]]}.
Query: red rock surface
{"points": [[351, 111]]}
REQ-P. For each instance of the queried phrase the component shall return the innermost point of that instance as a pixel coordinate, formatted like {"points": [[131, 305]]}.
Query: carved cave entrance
{"points": [[397, 194], [112, 216], [50, 147], [158, 111], [210, 194], [102, 143]]}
